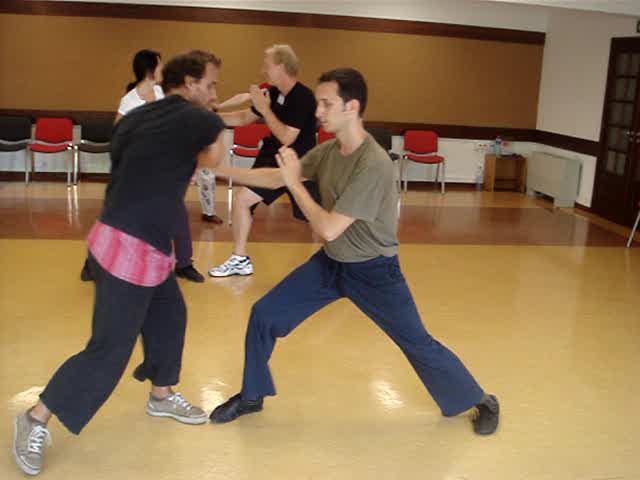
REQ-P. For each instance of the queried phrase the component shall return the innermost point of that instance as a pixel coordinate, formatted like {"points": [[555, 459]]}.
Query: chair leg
{"points": [[435, 181], [633, 230], [76, 165], [28, 161], [69, 166], [69, 207], [32, 167], [443, 176], [404, 172]]}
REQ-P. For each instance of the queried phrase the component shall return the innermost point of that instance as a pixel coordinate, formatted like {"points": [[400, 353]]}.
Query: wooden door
{"points": [[617, 181]]}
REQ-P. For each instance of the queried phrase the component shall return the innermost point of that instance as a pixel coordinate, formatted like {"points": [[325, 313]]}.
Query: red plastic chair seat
{"points": [[246, 152], [430, 159], [52, 135], [43, 148], [323, 135], [250, 135], [246, 143]]}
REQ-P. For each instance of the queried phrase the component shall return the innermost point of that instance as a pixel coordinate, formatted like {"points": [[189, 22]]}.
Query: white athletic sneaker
{"points": [[235, 265]]}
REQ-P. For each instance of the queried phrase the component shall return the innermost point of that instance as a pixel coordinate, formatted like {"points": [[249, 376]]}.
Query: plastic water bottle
{"points": [[497, 146]]}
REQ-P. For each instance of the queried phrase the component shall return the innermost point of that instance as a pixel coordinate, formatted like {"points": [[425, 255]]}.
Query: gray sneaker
{"points": [[176, 407], [28, 442]]}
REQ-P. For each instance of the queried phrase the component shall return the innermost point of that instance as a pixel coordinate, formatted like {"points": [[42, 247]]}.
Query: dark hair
{"points": [[193, 63], [144, 62], [351, 85]]}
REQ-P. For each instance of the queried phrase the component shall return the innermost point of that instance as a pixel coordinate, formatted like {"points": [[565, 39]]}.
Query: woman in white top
{"points": [[147, 68]]}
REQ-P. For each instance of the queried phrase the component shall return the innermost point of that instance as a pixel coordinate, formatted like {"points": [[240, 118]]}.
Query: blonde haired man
{"points": [[288, 108]]}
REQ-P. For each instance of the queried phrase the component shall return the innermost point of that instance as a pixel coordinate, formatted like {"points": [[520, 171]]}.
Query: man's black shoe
{"points": [[190, 274], [85, 274], [140, 373], [233, 408], [212, 219], [487, 417]]}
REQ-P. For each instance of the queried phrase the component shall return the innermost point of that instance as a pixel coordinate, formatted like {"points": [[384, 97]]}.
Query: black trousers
{"points": [[121, 312], [269, 196]]}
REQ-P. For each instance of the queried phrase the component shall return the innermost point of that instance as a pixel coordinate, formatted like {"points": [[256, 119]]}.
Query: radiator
{"points": [[557, 177]]}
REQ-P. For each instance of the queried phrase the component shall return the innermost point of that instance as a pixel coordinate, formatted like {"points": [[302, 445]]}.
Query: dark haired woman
{"points": [[147, 68]]}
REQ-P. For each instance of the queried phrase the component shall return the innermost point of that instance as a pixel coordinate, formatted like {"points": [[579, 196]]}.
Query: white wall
{"points": [[572, 86], [574, 78], [625, 7], [462, 156], [91, 163], [574, 70], [53, 162]]}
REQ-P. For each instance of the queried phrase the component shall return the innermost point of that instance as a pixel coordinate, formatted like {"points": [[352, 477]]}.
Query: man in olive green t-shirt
{"points": [[358, 221]]}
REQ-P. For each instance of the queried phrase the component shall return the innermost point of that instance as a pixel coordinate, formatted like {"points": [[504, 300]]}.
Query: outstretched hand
{"points": [[260, 98], [289, 164]]}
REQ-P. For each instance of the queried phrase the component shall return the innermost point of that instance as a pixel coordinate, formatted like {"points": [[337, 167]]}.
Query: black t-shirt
{"points": [[296, 110], [153, 156]]}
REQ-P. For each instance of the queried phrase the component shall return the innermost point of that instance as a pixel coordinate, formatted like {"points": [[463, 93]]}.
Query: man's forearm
{"points": [[258, 177], [235, 101], [278, 129], [236, 119], [319, 218]]}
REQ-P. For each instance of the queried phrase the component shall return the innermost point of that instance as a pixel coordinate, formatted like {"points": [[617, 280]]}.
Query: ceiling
{"points": [[621, 7]]}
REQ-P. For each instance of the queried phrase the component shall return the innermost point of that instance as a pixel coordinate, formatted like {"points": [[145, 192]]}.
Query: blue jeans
{"points": [[378, 288]]}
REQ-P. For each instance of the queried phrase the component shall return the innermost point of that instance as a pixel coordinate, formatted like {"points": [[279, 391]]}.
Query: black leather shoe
{"points": [[140, 373], [233, 408], [190, 274], [487, 416], [85, 274], [212, 219]]}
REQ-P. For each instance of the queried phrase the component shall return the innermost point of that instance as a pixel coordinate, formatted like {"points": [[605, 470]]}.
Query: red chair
{"points": [[421, 146], [323, 135], [635, 227], [53, 135], [246, 143]]}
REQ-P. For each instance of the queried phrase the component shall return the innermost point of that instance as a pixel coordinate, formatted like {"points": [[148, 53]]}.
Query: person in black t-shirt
{"points": [[154, 151], [288, 108], [147, 68]]}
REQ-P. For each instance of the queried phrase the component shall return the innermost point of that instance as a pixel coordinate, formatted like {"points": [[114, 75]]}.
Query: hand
{"points": [[289, 164], [260, 98]]}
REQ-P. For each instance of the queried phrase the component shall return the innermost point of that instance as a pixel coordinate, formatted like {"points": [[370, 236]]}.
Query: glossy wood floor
{"points": [[542, 305]]}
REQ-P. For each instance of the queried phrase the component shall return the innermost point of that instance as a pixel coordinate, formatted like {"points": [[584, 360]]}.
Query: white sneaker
{"points": [[235, 265]]}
